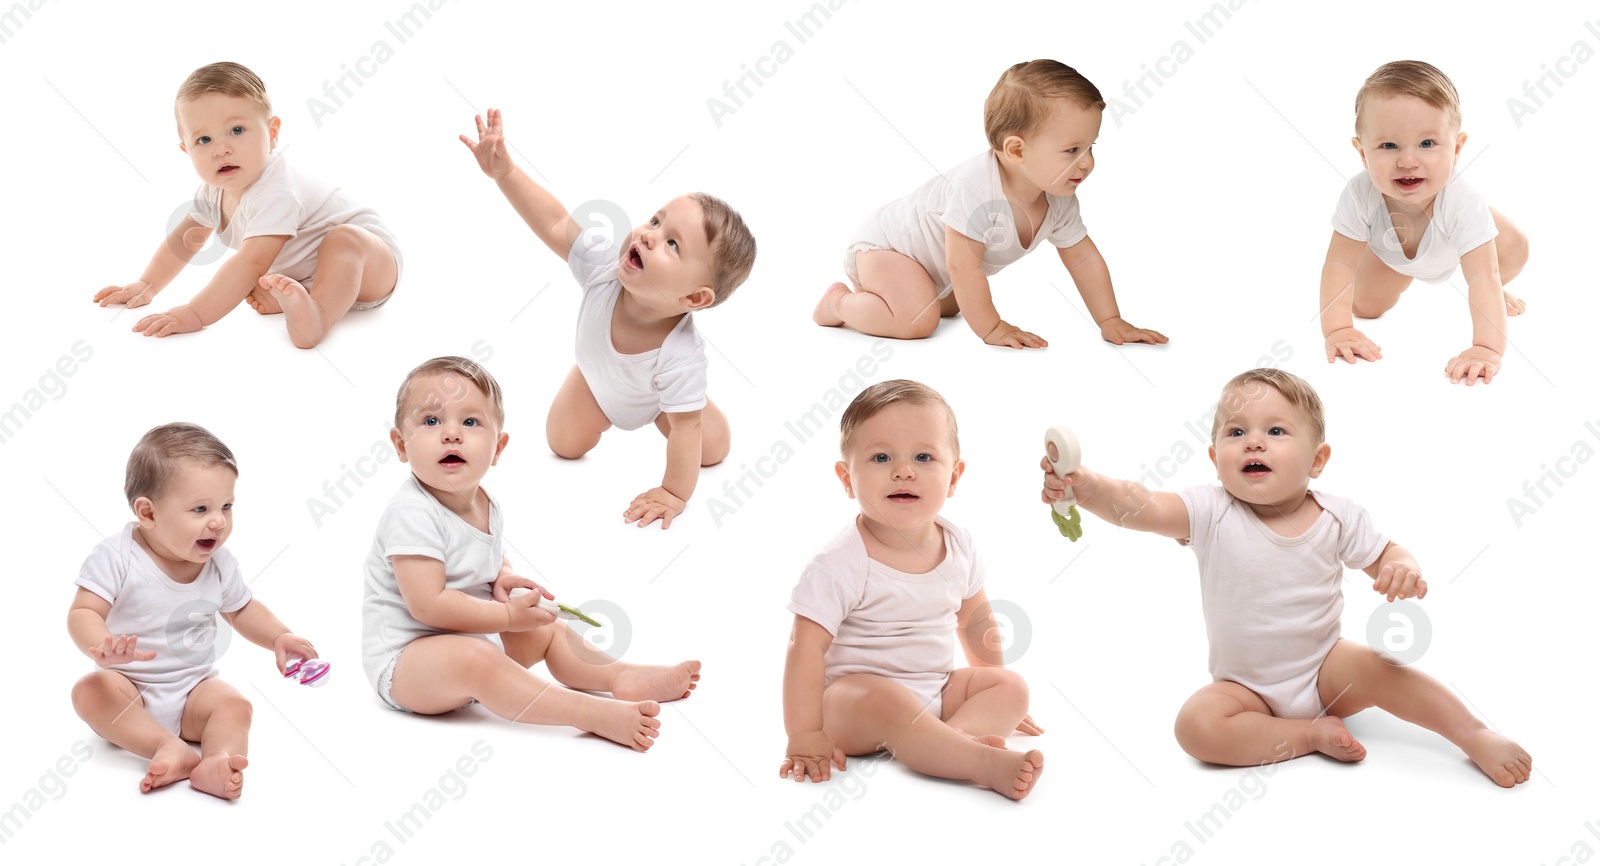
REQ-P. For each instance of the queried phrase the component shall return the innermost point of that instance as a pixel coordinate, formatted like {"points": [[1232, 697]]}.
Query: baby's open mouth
{"points": [[904, 497], [452, 458], [1256, 467], [207, 543], [228, 169], [634, 259], [1408, 182]]}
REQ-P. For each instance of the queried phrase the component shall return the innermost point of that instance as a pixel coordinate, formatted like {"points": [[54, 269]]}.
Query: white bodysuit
{"points": [[969, 199], [176, 621], [1461, 223], [1272, 602], [886, 622]]}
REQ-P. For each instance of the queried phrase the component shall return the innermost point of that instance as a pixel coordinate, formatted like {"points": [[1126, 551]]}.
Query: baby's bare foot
{"points": [[1013, 773], [1330, 737], [220, 776], [656, 682], [995, 740], [172, 762], [1504, 761], [825, 314], [1514, 305], [632, 724], [262, 301], [304, 317]]}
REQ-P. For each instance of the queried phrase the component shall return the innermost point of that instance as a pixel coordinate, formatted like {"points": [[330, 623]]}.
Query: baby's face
{"points": [[1060, 153], [667, 261], [193, 517], [901, 465], [448, 434], [227, 138], [1408, 146], [1265, 451]]}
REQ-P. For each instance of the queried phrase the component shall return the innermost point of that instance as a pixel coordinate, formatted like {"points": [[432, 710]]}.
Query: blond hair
{"points": [[733, 248], [876, 398], [1411, 78], [1019, 102], [467, 369], [155, 459], [227, 78], [1296, 390]]}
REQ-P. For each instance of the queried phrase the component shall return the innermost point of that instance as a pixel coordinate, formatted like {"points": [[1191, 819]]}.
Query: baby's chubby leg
{"points": [[109, 702], [575, 421], [896, 298], [716, 439], [1511, 253], [218, 718], [863, 713], [986, 704], [440, 673], [1377, 287], [1226, 723], [1354, 677], [579, 664], [353, 264]]}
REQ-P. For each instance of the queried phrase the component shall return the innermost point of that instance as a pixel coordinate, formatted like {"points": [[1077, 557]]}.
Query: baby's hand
{"points": [[1055, 486], [178, 320], [523, 613], [134, 294], [1028, 726], [490, 148], [1117, 330], [655, 503], [119, 651], [1350, 344], [290, 644], [1473, 363], [809, 754], [1400, 579], [506, 581], [1007, 334]]}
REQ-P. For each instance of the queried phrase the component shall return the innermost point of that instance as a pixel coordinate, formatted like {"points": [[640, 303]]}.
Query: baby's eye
{"points": [[924, 457], [204, 139], [1235, 431], [1276, 431], [1427, 142], [430, 421], [880, 458], [238, 130], [673, 244], [1388, 145], [199, 509], [470, 422], [227, 506], [654, 222]]}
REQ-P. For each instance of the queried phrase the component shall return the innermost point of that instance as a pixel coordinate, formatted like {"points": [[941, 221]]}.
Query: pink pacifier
{"points": [[310, 672]]}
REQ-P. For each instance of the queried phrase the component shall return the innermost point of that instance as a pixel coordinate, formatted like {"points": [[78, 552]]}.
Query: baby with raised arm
{"points": [[640, 360], [304, 248], [1272, 555], [1412, 215], [871, 663], [438, 583], [146, 609], [931, 254]]}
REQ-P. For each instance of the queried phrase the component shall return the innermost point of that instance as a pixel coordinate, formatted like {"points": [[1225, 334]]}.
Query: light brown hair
{"points": [[1296, 390], [467, 369], [1020, 100], [733, 248], [1411, 78], [876, 398], [226, 78], [155, 459]]}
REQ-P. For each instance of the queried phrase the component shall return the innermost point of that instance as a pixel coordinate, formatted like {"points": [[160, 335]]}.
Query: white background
{"points": [[1211, 204]]}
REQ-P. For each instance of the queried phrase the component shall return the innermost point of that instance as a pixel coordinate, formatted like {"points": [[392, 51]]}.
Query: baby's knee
{"points": [[237, 707], [345, 238], [919, 328], [1197, 733], [93, 690], [564, 443]]}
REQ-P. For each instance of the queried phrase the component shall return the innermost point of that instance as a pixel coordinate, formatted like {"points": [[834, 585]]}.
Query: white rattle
{"points": [[1061, 447]]}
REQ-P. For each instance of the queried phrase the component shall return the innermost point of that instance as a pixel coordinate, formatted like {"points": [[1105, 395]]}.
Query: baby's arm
{"points": [[683, 473], [977, 630], [258, 625], [1486, 298], [1340, 337], [421, 582], [810, 749], [537, 207], [1126, 503], [170, 259], [1396, 574], [86, 622], [963, 257], [234, 280], [1093, 279]]}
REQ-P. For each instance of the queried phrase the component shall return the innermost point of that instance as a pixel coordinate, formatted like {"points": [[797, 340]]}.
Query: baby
{"points": [[438, 581], [639, 358], [871, 665], [305, 249], [1410, 214], [146, 608], [931, 253], [1270, 552]]}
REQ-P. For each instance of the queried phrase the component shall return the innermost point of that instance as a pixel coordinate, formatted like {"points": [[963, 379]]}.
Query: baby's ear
{"points": [[399, 443], [842, 470], [144, 509], [1319, 459], [700, 298], [1355, 142]]}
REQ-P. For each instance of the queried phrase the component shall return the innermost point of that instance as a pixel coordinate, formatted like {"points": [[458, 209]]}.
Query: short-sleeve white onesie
{"points": [[416, 524], [969, 199], [1272, 602], [886, 622], [176, 621], [1461, 223], [286, 202], [631, 389]]}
